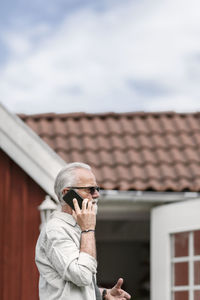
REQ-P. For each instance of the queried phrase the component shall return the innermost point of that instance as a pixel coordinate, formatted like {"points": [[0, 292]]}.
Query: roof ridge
{"points": [[107, 114]]}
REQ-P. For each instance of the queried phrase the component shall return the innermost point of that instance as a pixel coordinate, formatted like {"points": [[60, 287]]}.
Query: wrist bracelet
{"points": [[104, 294], [86, 231]]}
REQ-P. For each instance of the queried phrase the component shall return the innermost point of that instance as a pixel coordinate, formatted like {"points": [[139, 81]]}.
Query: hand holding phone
{"points": [[87, 219]]}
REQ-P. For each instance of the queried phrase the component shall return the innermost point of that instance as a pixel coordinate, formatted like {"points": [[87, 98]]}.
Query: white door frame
{"points": [[165, 220]]}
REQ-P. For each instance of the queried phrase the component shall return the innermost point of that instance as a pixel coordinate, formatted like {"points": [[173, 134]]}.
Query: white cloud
{"points": [[88, 61], [175, 103]]}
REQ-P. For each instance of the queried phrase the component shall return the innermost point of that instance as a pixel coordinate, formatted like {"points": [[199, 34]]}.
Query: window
{"points": [[185, 265]]}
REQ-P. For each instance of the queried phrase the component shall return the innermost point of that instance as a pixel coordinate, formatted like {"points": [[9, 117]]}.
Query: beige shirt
{"points": [[65, 272]]}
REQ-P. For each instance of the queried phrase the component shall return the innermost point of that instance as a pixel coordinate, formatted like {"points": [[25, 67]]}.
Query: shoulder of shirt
{"points": [[60, 219]]}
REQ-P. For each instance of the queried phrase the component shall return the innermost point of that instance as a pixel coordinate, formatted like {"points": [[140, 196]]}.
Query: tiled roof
{"points": [[128, 151]]}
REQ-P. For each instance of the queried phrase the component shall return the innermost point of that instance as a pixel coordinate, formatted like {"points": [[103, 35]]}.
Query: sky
{"points": [[99, 55]]}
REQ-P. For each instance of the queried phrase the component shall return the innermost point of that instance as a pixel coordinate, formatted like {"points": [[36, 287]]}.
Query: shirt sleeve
{"points": [[71, 264]]}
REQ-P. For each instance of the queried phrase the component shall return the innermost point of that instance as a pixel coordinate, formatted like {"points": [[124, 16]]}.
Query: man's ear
{"points": [[64, 191]]}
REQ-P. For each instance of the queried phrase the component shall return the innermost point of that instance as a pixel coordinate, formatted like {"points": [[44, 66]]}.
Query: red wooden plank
{"points": [[32, 216], [20, 197], [14, 236], [4, 194]]}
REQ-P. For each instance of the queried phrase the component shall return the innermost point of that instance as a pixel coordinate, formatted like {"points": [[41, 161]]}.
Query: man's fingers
{"points": [[119, 283], [127, 295], [89, 207], [84, 205], [76, 206], [74, 215]]}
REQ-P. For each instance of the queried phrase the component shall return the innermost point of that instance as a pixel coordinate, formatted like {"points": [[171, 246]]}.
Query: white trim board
{"points": [[29, 151], [167, 220]]}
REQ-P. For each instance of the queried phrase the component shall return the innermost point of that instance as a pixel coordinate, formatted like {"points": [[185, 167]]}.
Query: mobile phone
{"points": [[69, 196]]}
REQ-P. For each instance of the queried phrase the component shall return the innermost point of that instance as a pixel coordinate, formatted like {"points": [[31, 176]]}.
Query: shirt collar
{"points": [[65, 217]]}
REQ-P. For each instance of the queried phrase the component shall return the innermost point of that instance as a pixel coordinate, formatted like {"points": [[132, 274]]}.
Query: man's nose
{"points": [[96, 194]]}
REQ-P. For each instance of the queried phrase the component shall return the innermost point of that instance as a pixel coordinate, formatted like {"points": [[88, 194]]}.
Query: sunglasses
{"points": [[92, 189]]}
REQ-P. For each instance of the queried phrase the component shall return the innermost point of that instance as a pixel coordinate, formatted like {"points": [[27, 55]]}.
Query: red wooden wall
{"points": [[20, 197]]}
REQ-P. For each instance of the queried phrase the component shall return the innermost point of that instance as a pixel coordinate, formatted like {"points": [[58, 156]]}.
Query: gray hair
{"points": [[67, 177]]}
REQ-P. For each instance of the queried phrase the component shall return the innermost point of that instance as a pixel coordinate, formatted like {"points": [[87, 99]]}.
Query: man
{"points": [[66, 248]]}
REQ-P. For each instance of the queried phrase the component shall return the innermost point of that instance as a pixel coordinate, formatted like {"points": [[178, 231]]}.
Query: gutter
{"points": [[146, 197]]}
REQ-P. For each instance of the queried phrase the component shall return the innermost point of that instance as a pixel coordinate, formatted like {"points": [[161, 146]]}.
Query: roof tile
{"points": [[169, 185], [89, 142], [122, 173], [155, 185], [178, 155], [124, 185], [33, 124], [73, 143], [168, 173], [135, 157], [60, 143], [117, 142], [126, 125], [181, 124], [120, 157], [183, 184], [152, 171], [138, 173], [145, 141], [92, 159], [159, 141], [108, 173], [140, 125], [45, 128], [168, 124], [149, 157], [183, 171], [73, 127], [85, 127], [193, 122], [155, 125], [113, 126], [187, 140], [139, 185], [131, 142], [103, 143], [98, 173], [194, 185], [100, 126], [163, 157], [192, 155], [64, 155], [106, 158], [77, 156], [111, 186], [59, 127], [173, 140], [195, 169], [197, 139]]}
